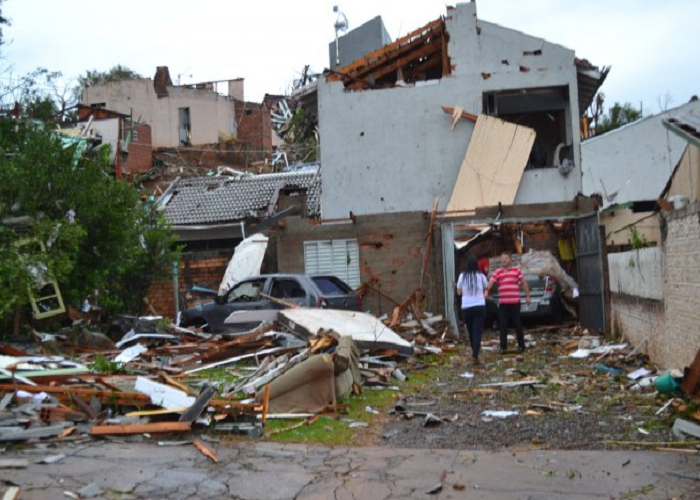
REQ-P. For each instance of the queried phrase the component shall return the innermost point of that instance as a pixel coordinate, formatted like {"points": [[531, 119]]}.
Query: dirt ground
{"points": [[573, 405]]}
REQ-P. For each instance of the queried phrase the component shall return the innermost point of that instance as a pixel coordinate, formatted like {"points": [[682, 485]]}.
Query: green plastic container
{"points": [[666, 383]]}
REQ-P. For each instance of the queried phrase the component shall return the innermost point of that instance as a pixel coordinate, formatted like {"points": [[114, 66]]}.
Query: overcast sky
{"points": [[650, 44]]}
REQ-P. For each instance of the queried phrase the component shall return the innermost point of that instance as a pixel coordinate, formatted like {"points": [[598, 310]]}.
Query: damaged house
{"points": [[186, 115], [395, 125], [211, 215], [627, 169]]}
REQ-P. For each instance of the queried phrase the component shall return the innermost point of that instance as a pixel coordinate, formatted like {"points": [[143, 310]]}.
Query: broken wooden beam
{"points": [[205, 450], [65, 393], [468, 116], [154, 428]]}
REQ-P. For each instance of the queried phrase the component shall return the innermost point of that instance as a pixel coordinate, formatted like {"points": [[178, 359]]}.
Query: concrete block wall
{"points": [[205, 269], [640, 320], [391, 254], [682, 285]]}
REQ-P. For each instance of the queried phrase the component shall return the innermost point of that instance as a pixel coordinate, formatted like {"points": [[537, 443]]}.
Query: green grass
{"points": [[219, 374], [329, 431]]}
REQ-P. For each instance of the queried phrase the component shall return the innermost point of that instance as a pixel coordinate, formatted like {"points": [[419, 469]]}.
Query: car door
{"points": [[289, 290], [245, 296]]}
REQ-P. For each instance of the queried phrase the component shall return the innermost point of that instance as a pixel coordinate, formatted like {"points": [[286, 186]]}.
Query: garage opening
{"points": [[557, 246]]}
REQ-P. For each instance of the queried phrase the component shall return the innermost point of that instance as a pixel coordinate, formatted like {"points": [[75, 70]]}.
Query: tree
{"points": [[617, 116], [3, 21], [117, 73], [99, 237]]}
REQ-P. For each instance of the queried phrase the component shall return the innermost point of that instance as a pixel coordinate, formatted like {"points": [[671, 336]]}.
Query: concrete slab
{"points": [[276, 471]]}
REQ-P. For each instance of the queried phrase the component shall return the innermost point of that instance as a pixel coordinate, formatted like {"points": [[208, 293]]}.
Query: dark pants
{"points": [[509, 315], [474, 317]]}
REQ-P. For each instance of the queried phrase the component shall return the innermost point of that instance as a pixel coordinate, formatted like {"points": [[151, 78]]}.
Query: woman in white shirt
{"points": [[470, 286]]}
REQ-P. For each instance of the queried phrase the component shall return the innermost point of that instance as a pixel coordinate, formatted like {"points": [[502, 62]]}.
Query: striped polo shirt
{"points": [[508, 281]]}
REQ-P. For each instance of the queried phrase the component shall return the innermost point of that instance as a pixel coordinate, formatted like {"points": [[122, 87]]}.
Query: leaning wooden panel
{"points": [[493, 166]]}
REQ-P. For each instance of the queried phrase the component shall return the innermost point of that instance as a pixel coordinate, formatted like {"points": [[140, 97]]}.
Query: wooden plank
{"points": [[151, 413], [427, 49], [155, 428], [450, 111], [692, 377], [10, 493], [66, 391], [205, 450]]}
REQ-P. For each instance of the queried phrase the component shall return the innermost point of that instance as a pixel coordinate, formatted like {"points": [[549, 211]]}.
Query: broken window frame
{"points": [[40, 308]]}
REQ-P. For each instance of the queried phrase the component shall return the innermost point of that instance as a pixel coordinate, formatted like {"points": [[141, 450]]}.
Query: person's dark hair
{"points": [[471, 274]]}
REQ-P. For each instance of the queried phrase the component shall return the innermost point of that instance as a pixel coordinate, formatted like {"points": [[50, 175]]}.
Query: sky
{"points": [[650, 44]]}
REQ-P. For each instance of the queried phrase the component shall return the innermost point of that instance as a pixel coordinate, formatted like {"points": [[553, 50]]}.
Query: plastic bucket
{"points": [[666, 383]]}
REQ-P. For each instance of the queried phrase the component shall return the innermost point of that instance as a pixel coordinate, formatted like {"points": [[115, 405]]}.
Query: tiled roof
{"points": [[207, 200]]}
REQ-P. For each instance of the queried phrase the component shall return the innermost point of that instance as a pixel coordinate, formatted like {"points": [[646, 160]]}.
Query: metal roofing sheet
{"points": [[493, 166], [201, 200]]}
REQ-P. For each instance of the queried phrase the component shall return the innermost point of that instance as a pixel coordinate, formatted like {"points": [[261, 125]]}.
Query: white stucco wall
{"points": [[638, 273], [109, 131], [637, 160], [392, 150], [210, 114]]}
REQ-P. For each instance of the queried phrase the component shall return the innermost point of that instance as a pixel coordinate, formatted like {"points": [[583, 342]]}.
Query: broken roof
{"points": [[420, 55], [687, 126], [589, 79], [220, 199]]}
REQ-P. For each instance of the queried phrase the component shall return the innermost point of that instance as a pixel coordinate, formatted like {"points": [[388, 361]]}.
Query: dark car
{"points": [[545, 300], [253, 293]]}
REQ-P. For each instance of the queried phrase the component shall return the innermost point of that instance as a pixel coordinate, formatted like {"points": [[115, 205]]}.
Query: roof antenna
{"points": [[341, 24]]}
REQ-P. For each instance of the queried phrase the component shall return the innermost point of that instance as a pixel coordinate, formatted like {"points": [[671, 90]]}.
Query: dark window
{"points": [[331, 286], [287, 289]]}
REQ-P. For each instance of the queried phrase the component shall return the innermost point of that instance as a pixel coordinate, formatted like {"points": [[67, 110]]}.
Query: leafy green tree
{"points": [[617, 116], [3, 21], [99, 237], [116, 73]]}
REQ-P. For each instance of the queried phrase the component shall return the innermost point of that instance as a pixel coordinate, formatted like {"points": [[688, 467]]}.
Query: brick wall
{"points": [[205, 269], [254, 125], [391, 254], [140, 159], [640, 319], [682, 285]]}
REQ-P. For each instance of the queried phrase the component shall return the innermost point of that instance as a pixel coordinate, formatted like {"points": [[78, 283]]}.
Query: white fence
{"points": [[639, 273]]}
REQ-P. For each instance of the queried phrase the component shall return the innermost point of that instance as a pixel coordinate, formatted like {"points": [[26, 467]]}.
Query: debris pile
{"points": [[296, 363]]}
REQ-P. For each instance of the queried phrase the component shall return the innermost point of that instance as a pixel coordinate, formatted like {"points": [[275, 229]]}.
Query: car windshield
{"points": [[331, 286], [248, 290]]}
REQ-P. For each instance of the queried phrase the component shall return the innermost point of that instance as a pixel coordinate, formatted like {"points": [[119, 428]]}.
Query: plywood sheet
{"points": [[493, 166]]}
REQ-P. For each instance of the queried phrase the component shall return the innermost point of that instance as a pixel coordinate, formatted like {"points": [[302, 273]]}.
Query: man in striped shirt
{"points": [[509, 280]]}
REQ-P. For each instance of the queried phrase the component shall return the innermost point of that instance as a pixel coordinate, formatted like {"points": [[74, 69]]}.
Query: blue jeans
{"points": [[474, 317]]}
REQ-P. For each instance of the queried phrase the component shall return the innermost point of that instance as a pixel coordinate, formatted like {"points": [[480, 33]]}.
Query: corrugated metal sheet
{"points": [[493, 166]]}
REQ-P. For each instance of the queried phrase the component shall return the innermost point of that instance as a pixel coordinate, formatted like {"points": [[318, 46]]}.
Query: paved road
{"points": [[268, 471]]}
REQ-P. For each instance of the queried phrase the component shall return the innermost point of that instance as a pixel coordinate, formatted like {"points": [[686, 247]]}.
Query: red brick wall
{"points": [[205, 269], [254, 125], [139, 160], [391, 254]]}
